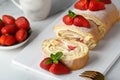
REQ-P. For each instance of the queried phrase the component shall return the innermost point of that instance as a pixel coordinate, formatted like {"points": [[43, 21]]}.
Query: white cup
{"points": [[40, 9]]}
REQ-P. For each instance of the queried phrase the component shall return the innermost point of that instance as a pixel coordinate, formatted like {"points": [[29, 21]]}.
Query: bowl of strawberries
{"points": [[14, 32]]}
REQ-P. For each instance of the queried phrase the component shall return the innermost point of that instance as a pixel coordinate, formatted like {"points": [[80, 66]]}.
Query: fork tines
{"points": [[94, 75]]}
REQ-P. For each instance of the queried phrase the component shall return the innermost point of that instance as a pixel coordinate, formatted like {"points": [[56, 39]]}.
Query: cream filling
{"points": [[62, 45], [81, 28], [82, 35]]}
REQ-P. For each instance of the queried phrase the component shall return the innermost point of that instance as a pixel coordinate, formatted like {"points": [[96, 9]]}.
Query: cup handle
{"points": [[16, 2]]}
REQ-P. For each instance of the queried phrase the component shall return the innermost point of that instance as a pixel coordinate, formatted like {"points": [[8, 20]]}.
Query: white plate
{"points": [[101, 58], [16, 45]]}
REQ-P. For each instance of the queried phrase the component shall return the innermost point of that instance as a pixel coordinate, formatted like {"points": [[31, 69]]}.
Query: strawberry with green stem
{"points": [[77, 20], [68, 19], [54, 65]]}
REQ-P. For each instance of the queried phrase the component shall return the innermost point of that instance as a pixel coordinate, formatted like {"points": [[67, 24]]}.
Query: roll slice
{"points": [[89, 36], [75, 54], [104, 19]]}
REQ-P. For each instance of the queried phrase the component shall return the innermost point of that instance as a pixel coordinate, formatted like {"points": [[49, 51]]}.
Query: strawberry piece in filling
{"points": [[71, 47]]}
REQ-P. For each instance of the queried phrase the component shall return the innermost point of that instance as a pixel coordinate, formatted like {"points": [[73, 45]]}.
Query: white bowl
{"points": [[15, 45]]}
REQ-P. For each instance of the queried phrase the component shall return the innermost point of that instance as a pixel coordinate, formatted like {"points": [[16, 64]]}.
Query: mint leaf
{"points": [[55, 61], [58, 55], [72, 14], [52, 56], [49, 61]]}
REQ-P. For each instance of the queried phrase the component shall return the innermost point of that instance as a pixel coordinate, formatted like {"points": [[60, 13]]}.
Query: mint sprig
{"points": [[54, 58], [72, 14], [49, 61]]}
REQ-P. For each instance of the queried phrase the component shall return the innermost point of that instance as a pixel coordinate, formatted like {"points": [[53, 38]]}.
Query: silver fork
{"points": [[94, 75]]}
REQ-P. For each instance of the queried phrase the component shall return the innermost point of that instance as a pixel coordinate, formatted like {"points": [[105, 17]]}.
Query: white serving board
{"points": [[101, 58]]}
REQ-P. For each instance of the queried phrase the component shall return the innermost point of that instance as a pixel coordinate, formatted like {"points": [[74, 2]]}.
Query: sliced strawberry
{"points": [[68, 20], [53, 64], [71, 47], [59, 69], [96, 5], [80, 21], [107, 1], [82, 4], [44, 65], [7, 19]]}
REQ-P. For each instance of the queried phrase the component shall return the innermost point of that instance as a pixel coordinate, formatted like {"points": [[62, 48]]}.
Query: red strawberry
{"points": [[7, 40], [71, 47], [80, 21], [1, 24], [59, 69], [9, 29], [96, 5], [7, 19], [107, 1], [44, 65], [82, 4], [68, 20], [21, 35], [22, 22], [54, 65]]}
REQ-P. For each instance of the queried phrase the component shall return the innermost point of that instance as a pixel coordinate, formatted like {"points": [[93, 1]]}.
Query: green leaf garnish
{"points": [[49, 61], [30, 31], [58, 55], [72, 14], [56, 61], [55, 58]]}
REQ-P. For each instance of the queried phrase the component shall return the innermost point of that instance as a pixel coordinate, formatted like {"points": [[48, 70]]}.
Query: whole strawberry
{"points": [[21, 35], [22, 22], [7, 19], [69, 18], [7, 40], [9, 29]]}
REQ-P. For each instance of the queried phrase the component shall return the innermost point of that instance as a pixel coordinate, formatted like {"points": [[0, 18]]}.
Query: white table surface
{"points": [[9, 71]]}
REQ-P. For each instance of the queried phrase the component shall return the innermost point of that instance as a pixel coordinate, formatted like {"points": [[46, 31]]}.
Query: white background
{"points": [[8, 71]]}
